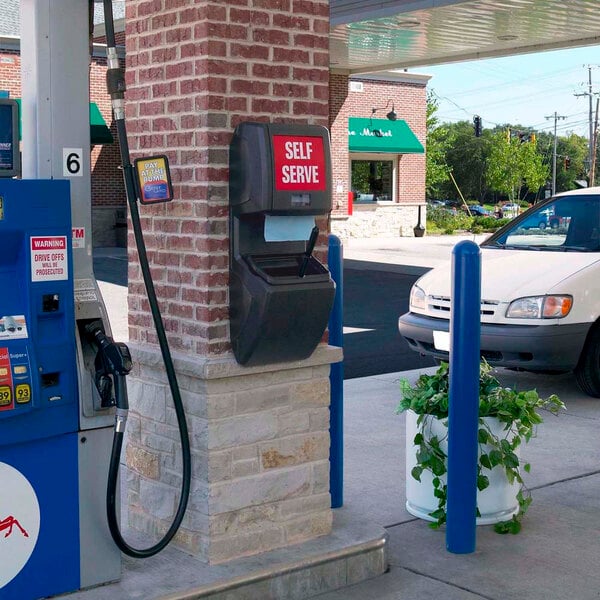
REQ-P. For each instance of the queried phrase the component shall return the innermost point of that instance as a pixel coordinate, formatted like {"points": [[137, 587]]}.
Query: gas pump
{"points": [[63, 396]]}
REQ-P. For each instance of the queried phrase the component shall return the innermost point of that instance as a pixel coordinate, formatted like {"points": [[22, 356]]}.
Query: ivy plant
{"points": [[519, 411]]}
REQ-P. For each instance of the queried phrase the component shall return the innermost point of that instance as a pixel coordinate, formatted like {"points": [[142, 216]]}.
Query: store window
{"points": [[372, 179]]}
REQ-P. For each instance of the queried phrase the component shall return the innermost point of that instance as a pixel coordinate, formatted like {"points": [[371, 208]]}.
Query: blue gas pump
{"points": [[39, 498]]}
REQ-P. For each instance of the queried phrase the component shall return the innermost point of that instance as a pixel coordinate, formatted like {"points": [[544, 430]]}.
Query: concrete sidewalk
{"points": [[556, 556]]}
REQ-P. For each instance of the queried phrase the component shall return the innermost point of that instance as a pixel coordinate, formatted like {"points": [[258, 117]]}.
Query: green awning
{"points": [[382, 135], [99, 131]]}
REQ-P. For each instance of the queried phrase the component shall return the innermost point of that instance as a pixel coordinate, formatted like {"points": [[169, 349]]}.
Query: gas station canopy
{"points": [[376, 35]]}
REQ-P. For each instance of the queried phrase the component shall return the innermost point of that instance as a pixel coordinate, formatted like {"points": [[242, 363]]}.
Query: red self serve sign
{"points": [[299, 163]]}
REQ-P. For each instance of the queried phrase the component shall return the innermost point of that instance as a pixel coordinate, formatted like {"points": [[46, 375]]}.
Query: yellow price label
{"points": [[23, 393], [5, 395]]}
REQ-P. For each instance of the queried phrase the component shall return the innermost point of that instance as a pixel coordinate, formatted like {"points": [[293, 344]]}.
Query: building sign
{"points": [[382, 135]]}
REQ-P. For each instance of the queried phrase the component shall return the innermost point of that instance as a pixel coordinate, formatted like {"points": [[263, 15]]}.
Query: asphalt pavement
{"points": [[556, 555]]}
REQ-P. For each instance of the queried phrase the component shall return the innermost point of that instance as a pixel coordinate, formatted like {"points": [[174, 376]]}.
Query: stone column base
{"points": [[260, 451]]}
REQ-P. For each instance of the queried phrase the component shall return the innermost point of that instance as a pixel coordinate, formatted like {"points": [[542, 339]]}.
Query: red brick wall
{"points": [[107, 179], [194, 71], [10, 73], [339, 109], [410, 105]]}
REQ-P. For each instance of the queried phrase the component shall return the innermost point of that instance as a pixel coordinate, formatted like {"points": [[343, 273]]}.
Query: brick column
{"points": [[259, 435], [339, 113]]}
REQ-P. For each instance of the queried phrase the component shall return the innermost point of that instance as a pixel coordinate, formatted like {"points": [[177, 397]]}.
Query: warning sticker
{"points": [[84, 284], [86, 296], [49, 258]]}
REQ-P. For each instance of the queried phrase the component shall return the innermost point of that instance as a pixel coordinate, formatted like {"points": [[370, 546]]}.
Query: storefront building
{"points": [[378, 130]]}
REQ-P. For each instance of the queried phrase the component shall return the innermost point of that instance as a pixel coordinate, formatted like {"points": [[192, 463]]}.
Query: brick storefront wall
{"points": [[409, 100]]}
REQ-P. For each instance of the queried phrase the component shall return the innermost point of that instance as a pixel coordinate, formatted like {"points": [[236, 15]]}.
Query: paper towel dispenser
{"points": [[280, 295]]}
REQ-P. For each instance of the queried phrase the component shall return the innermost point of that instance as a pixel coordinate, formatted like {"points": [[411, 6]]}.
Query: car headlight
{"points": [[540, 307], [417, 297]]}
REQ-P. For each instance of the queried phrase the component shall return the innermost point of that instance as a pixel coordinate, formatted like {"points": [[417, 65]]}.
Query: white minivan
{"points": [[540, 293]]}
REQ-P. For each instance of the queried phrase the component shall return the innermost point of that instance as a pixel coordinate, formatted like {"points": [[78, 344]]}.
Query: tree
{"points": [[576, 149], [515, 167], [466, 157], [436, 170]]}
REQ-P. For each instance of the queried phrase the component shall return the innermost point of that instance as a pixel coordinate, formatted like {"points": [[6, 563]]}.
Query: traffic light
{"points": [[477, 125], [532, 138], [567, 162], [508, 135]]}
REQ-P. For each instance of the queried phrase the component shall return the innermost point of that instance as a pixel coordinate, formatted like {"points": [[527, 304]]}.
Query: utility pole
{"points": [[555, 116], [594, 144], [589, 94]]}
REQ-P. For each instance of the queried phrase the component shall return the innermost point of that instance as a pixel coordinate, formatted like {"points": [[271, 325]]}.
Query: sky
{"points": [[520, 90]]}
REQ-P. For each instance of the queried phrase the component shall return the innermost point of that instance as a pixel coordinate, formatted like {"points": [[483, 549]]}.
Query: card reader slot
{"points": [[50, 379]]}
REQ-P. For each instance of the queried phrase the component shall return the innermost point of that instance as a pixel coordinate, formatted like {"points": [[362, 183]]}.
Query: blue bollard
{"points": [[335, 262], [463, 412]]}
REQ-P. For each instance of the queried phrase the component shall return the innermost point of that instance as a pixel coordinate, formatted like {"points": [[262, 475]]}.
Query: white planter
{"points": [[496, 503]]}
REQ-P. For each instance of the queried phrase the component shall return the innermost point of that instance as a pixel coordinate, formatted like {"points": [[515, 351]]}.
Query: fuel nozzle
{"points": [[112, 363]]}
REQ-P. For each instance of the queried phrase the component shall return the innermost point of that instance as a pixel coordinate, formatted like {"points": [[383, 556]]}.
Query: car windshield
{"points": [[570, 223]]}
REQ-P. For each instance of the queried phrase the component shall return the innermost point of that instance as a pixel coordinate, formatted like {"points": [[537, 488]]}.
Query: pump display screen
{"points": [[299, 163], [9, 138]]}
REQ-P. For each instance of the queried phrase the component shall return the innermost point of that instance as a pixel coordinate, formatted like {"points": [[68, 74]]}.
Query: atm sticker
{"points": [[49, 258], [13, 327], [78, 235]]}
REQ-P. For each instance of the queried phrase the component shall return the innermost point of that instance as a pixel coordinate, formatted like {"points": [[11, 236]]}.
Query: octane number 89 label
{"points": [[5, 395]]}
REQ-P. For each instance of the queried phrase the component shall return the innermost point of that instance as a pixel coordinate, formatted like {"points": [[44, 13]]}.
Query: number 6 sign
{"points": [[72, 162]]}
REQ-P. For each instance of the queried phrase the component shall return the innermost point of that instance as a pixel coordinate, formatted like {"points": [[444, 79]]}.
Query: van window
{"points": [[569, 224]]}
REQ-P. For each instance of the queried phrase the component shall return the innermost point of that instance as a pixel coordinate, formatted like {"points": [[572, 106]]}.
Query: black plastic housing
{"points": [[276, 315]]}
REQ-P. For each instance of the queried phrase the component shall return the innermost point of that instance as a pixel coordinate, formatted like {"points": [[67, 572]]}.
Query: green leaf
{"points": [[484, 460], [416, 472], [495, 457], [437, 466], [482, 482], [482, 436], [511, 460], [527, 467]]}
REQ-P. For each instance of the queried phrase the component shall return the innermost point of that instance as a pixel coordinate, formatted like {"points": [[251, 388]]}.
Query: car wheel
{"points": [[587, 371], [542, 225]]}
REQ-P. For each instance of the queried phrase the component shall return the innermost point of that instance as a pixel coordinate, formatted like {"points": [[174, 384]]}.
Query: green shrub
{"points": [[487, 224], [447, 221]]}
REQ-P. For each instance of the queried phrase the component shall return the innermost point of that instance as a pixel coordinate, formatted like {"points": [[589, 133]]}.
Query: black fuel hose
{"points": [[116, 88]]}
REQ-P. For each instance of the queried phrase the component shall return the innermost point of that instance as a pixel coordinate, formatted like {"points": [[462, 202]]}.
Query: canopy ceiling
{"points": [[375, 35]]}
